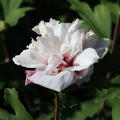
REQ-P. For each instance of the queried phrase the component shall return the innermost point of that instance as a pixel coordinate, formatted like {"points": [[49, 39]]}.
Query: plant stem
{"points": [[115, 40], [57, 106], [115, 35]]}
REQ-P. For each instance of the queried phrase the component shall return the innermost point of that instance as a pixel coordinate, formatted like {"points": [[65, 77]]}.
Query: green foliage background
{"points": [[98, 99]]}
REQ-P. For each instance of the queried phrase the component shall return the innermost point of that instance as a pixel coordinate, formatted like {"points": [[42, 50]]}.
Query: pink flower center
{"points": [[69, 63]]}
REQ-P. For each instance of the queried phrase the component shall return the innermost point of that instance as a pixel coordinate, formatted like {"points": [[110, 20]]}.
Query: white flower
{"points": [[63, 55]]}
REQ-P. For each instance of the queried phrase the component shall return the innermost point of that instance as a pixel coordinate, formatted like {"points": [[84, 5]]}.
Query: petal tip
{"points": [[14, 59]]}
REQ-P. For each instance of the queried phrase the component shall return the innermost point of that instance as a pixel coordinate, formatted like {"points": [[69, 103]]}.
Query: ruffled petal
{"points": [[26, 60], [52, 28], [100, 44], [48, 45], [84, 60], [76, 43], [58, 29], [53, 62], [75, 25], [41, 28], [57, 82], [73, 40], [38, 52]]}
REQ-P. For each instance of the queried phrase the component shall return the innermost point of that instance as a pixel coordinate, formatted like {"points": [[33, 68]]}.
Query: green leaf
{"points": [[114, 8], [14, 4], [83, 10], [4, 5], [2, 25], [5, 115], [103, 20], [88, 109], [10, 5], [116, 80], [84, 25], [12, 11], [11, 97], [62, 18], [108, 94], [99, 19], [14, 16], [116, 109]]}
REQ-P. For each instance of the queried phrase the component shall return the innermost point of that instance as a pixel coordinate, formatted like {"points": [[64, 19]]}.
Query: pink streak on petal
{"points": [[29, 73], [80, 75]]}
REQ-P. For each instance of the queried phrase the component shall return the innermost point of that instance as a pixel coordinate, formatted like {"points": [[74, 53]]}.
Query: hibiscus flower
{"points": [[62, 54]]}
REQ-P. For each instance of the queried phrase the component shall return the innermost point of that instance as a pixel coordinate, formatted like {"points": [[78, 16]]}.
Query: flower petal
{"points": [[73, 40], [26, 60], [57, 82], [53, 27], [48, 45], [85, 76], [100, 44], [38, 52], [40, 29], [29, 73], [83, 61], [75, 25], [58, 29], [90, 40], [53, 62], [76, 43], [102, 47]]}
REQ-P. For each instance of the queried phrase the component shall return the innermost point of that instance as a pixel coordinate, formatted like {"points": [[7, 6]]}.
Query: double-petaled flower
{"points": [[63, 55]]}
